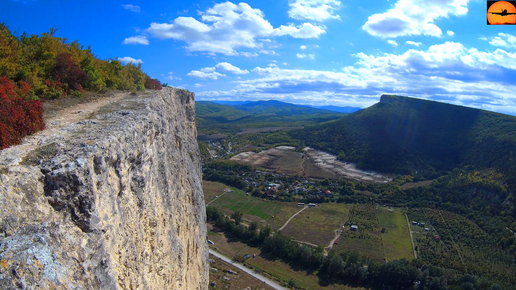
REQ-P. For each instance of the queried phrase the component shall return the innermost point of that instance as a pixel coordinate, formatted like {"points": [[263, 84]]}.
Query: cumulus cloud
{"points": [[450, 33], [212, 74], [503, 40], [315, 10], [136, 40], [227, 67], [226, 27], [392, 42], [447, 72], [127, 59], [414, 17], [203, 75], [302, 55], [413, 43], [131, 7], [198, 85], [303, 47]]}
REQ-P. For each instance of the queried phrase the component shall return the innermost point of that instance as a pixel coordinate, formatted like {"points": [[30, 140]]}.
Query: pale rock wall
{"points": [[111, 202]]}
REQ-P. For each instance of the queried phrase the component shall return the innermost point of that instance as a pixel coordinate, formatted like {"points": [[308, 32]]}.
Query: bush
{"points": [[19, 116], [152, 84]]}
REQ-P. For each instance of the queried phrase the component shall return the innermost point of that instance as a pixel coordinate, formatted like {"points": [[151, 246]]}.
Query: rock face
{"points": [[110, 202]]}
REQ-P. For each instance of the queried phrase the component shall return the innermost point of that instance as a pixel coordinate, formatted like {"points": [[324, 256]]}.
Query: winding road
{"points": [[248, 271]]}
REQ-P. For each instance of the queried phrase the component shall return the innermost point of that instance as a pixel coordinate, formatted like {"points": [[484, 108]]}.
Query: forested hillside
{"points": [[418, 137]]}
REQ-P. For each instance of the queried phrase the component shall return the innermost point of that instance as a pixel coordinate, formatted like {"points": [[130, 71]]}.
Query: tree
{"points": [[237, 216]]}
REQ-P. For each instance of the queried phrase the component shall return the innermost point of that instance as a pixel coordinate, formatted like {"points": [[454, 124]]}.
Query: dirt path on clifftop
{"points": [[55, 125], [80, 111]]}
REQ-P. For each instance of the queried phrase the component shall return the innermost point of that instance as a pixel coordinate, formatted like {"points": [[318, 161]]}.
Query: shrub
{"points": [[152, 84], [68, 72], [18, 116]]}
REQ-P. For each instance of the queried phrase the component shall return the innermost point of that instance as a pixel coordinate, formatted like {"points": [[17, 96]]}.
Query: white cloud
{"points": [[303, 47], [392, 42], [136, 40], [269, 52], [226, 27], [503, 40], [302, 55], [203, 75], [315, 10], [284, 63], [229, 68], [128, 59], [414, 17], [450, 33], [131, 7], [413, 43], [447, 72], [171, 77], [198, 85], [248, 54]]}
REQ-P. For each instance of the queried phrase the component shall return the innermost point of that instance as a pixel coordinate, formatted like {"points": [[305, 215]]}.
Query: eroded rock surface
{"points": [[113, 201]]}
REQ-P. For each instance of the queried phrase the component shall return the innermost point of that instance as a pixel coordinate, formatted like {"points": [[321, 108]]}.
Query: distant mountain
{"points": [[230, 103], [347, 109], [217, 118], [413, 136], [279, 108], [209, 112]]}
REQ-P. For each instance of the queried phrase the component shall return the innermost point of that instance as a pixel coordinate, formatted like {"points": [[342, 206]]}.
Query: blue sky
{"points": [[316, 52]]}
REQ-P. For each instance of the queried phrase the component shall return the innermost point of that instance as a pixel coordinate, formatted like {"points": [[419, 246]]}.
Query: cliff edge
{"points": [[112, 200]]}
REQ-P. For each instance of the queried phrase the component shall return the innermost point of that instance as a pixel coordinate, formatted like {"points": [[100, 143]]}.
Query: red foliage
{"points": [[68, 72], [152, 84], [18, 117]]}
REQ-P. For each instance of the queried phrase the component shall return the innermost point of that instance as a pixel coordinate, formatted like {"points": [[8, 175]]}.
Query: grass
{"points": [[212, 189], [367, 241], [287, 210], [254, 209], [396, 237], [317, 225]]}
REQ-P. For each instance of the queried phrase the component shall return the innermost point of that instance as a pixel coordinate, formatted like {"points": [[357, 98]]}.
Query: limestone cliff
{"points": [[113, 201]]}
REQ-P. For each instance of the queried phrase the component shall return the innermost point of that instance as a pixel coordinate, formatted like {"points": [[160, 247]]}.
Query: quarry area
{"points": [[308, 163]]}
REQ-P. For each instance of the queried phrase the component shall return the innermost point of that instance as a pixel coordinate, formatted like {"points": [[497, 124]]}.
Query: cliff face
{"points": [[110, 202]]}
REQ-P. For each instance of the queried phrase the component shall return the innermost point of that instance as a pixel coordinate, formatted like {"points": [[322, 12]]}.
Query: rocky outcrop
{"points": [[113, 201]]}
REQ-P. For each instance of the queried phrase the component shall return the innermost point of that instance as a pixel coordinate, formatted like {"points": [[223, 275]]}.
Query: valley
{"points": [[284, 192]]}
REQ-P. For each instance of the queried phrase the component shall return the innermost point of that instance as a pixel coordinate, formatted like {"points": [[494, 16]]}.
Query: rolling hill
{"points": [[419, 137]]}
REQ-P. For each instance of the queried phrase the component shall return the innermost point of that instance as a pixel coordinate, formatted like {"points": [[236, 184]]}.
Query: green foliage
{"points": [[53, 67], [418, 137]]}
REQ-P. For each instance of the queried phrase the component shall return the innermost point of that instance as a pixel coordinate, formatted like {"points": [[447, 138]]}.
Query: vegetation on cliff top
{"points": [[48, 67]]}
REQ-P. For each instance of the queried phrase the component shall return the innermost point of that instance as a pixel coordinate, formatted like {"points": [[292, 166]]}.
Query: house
{"points": [[311, 204], [301, 204], [354, 227], [414, 223], [427, 229]]}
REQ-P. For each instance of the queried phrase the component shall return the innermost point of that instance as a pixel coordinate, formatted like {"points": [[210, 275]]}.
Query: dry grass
{"points": [[416, 184], [367, 240], [212, 189], [317, 225], [237, 282]]}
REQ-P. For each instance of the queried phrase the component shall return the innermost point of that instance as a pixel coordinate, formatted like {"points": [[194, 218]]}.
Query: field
{"points": [[254, 209], [237, 282], [274, 269], [367, 240], [212, 189], [395, 234], [317, 225], [460, 244]]}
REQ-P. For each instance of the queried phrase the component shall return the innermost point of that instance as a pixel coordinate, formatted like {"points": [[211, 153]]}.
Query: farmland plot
{"points": [[367, 240], [395, 234]]}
